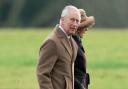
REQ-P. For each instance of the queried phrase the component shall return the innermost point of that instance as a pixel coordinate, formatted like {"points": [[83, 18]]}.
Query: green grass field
{"points": [[106, 50]]}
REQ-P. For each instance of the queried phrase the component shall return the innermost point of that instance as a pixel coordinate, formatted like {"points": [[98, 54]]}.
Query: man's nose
{"points": [[75, 23]]}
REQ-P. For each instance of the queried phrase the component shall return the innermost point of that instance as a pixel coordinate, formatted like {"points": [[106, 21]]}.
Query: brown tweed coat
{"points": [[55, 69]]}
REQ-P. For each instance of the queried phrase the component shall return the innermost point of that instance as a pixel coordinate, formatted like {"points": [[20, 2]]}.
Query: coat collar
{"points": [[72, 49]]}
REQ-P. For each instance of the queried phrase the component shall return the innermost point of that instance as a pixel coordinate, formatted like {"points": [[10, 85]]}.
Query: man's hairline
{"points": [[67, 9]]}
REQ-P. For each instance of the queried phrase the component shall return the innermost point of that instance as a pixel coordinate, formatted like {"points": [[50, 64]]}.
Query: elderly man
{"points": [[58, 53]]}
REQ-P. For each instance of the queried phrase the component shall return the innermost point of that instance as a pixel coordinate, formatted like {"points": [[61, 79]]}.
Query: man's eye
{"points": [[77, 21], [72, 19]]}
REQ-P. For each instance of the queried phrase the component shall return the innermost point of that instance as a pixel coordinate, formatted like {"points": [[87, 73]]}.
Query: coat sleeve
{"points": [[47, 59], [84, 25], [88, 22]]}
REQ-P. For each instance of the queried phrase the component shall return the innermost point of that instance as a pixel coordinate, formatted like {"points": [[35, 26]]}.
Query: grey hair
{"points": [[66, 9]]}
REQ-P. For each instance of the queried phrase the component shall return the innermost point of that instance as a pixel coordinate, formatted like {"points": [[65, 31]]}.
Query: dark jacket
{"points": [[81, 77]]}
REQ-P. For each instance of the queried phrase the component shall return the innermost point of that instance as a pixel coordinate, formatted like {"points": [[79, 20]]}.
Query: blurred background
{"points": [[45, 13], [24, 24]]}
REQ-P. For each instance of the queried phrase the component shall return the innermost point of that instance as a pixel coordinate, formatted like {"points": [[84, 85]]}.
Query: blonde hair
{"points": [[83, 14]]}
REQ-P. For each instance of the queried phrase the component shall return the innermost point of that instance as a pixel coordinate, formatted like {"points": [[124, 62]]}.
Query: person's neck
{"points": [[68, 36]]}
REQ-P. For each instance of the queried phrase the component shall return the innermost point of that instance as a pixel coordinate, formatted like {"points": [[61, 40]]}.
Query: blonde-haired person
{"points": [[81, 76]]}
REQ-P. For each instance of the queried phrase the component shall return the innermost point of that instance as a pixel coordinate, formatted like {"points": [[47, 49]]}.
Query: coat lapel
{"points": [[64, 40], [67, 46]]}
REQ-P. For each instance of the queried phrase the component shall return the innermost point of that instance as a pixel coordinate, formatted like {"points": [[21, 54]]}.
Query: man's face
{"points": [[71, 22]]}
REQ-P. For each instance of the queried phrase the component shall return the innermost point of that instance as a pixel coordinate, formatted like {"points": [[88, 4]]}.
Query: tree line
{"points": [[45, 13]]}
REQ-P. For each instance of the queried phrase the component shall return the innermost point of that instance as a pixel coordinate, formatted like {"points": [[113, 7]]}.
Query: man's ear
{"points": [[62, 18]]}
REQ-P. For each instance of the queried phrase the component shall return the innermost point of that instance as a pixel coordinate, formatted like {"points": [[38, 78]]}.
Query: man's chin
{"points": [[73, 33]]}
